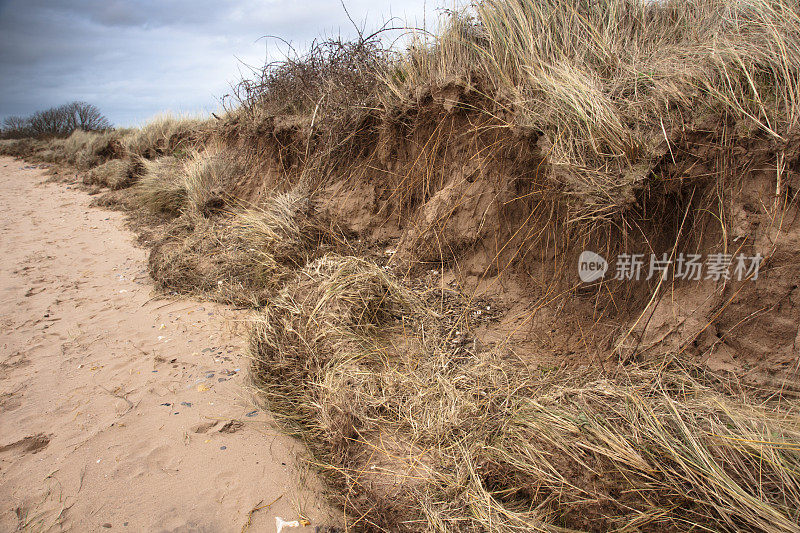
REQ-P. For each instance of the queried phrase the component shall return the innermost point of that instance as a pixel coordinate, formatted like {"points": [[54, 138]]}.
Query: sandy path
{"points": [[115, 408]]}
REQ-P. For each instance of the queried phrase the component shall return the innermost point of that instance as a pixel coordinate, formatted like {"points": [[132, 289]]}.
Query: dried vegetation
{"points": [[364, 200]]}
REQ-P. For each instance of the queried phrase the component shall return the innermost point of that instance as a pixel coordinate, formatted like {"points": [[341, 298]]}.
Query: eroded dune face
{"points": [[409, 228]]}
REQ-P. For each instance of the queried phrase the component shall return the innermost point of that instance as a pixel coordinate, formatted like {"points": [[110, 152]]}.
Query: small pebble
{"points": [[223, 447]]}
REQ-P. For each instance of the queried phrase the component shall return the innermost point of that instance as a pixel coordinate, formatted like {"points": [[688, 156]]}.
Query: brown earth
{"points": [[120, 410]]}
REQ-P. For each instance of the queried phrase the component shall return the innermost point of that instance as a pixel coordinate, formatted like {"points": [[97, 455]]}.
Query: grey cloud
{"points": [[134, 59]]}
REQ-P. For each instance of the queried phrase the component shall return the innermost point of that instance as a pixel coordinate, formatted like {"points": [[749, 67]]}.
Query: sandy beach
{"points": [[121, 410]]}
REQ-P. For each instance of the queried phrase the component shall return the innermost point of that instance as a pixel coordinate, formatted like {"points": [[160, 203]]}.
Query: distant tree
{"points": [[16, 126], [83, 116], [51, 121], [57, 121]]}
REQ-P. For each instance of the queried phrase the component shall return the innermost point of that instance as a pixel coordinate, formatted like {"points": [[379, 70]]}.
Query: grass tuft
{"points": [[164, 135], [160, 189], [207, 174]]}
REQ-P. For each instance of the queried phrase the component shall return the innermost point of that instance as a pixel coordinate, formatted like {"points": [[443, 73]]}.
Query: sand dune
{"points": [[119, 410]]}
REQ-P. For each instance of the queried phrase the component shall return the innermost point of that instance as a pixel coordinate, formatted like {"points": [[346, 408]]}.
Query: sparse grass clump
{"points": [[240, 257], [324, 315], [195, 184], [286, 225], [110, 174], [201, 257], [87, 149], [116, 174], [207, 176], [30, 148], [51, 152], [161, 189]]}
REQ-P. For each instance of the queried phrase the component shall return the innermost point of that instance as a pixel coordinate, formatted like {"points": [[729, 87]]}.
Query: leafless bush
{"points": [[344, 73], [16, 127], [83, 116], [56, 121]]}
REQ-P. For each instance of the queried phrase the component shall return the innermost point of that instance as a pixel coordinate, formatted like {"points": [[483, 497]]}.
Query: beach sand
{"points": [[121, 410]]}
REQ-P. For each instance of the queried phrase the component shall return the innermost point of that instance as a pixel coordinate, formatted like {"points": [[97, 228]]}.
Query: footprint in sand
{"points": [[204, 427], [9, 401], [30, 444]]}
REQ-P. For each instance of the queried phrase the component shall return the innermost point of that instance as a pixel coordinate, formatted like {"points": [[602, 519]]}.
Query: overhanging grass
{"points": [[609, 86]]}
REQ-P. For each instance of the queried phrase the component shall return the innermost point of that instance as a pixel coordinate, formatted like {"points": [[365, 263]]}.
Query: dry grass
{"points": [[164, 135], [286, 225], [85, 149], [609, 86], [116, 174], [241, 257], [201, 257], [110, 174], [573, 118], [412, 437], [161, 189], [195, 184], [82, 150], [207, 175], [16, 147]]}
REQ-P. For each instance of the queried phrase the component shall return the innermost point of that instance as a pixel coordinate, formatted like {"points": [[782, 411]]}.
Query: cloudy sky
{"points": [[134, 59]]}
